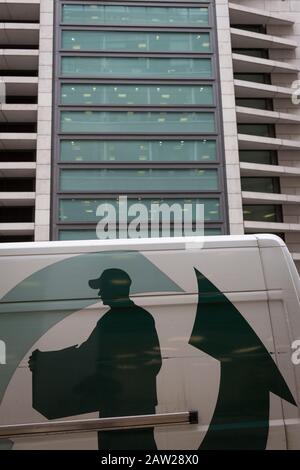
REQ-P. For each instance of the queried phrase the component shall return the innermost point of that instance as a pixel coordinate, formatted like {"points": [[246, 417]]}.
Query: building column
{"points": [[44, 129], [232, 165]]}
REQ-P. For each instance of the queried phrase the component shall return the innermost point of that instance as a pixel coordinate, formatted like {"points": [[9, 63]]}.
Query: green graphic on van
{"points": [[248, 373], [53, 293], [115, 370]]}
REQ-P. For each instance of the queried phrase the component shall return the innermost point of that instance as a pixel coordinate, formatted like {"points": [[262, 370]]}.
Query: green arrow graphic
{"points": [[248, 373]]}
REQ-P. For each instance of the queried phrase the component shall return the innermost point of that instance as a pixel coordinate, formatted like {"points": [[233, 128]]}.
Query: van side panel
{"points": [[284, 308], [195, 331]]}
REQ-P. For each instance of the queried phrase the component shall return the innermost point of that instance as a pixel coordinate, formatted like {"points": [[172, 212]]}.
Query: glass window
{"points": [[267, 157], [81, 234], [262, 130], [212, 231], [138, 150], [118, 94], [260, 184], [85, 210], [257, 103], [16, 239], [134, 15], [261, 53], [254, 77], [124, 41], [120, 180], [254, 28], [146, 122], [262, 213], [78, 234], [136, 67], [12, 184]]}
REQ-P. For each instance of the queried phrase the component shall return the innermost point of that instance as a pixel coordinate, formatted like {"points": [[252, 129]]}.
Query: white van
{"points": [[182, 343]]}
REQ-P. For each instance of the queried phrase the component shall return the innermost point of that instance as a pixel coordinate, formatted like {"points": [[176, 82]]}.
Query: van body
{"points": [[150, 331]]}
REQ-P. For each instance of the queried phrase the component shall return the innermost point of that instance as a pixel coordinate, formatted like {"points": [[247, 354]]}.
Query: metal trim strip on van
{"points": [[101, 424]]}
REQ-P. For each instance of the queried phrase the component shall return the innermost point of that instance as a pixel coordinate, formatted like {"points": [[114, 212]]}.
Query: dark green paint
{"points": [[248, 373]]}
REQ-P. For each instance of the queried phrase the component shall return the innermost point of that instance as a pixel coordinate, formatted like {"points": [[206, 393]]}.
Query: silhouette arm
{"points": [[91, 345]]}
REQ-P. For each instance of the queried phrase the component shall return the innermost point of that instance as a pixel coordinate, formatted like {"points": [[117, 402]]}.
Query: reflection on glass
{"points": [[261, 53], [124, 41], [260, 184], [85, 210], [85, 234], [254, 77], [146, 122], [262, 130], [138, 150], [136, 67], [212, 231], [100, 94], [134, 15], [267, 157], [262, 213], [257, 103], [138, 180]]}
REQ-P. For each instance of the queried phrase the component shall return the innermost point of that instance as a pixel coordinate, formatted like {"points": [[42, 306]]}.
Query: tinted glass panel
{"points": [[85, 210], [212, 231], [258, 156], [255, 103], [97, 94], [91, 234], [254, 77], [261, 53], [262, 185], [262, 130], [259, 28], [17, 184], [13, 214], [17, 156], [16, 239], [136, 67], [139, 180], [138, 151], [131, 15], [262, 213], [151, 122], [135, 41]]}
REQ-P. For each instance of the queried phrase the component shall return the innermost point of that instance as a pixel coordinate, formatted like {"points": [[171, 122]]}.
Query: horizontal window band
{"points": [[137, 13], [136, 165], [137, 96], [85, 210], [97, 40], [132, 137], [133, 54], [194, 29], [138, 109], [137, 81]]}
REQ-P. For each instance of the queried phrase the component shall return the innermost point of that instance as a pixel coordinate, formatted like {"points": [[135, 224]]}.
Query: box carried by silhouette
{"points": [[57, 384]]}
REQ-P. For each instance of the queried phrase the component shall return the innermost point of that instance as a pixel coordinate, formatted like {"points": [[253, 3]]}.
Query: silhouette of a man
{"points": [[125, 352]]}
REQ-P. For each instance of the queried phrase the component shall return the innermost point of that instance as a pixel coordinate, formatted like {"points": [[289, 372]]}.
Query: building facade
{"points": [[162, 101]]}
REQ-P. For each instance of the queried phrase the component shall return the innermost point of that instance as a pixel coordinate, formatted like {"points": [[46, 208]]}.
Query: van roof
{"points": [[149, 244]]}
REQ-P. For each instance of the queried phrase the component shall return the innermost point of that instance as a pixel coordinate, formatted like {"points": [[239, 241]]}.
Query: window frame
{"points": [[218, 164], [135, 3], [140, 82]]}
